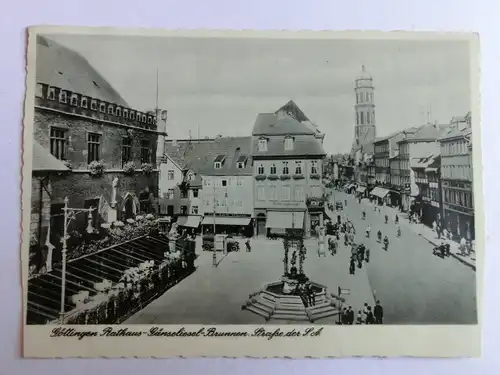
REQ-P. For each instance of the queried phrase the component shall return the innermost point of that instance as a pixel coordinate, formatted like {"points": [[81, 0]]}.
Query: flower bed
{"points": [[96, 168], [111, 234], [136, 289]]}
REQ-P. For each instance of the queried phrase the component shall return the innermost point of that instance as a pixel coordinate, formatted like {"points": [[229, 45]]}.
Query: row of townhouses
{"points": [[262, 184], [426, 170]]}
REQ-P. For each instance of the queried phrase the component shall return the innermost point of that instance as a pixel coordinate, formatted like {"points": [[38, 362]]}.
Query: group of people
{"points": [[365, 316], [306, 293], [359, 254]]}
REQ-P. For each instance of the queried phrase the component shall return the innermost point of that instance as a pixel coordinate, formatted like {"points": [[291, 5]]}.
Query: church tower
{"points": [[365, 131]]}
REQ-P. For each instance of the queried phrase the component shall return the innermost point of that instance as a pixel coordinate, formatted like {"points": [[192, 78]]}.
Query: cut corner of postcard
{"points": [[251, 194]]}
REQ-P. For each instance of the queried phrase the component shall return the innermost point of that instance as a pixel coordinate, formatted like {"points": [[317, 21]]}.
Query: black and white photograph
{"points": [[251, 181]]}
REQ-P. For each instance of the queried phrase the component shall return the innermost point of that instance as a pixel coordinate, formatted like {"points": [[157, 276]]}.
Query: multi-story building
{"points": [[457, 181], [428, 202], [287, 161], [415, 144], [381, 157], [227, 194], [109, 147]]}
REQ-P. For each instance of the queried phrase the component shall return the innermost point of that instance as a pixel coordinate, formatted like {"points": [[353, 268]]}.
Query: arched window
{"points": [[110, 110], [260, 169], [286, 171], [125, 112], [272, 170], [118, 111]]}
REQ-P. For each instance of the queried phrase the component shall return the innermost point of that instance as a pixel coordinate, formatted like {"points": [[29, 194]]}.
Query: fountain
{"points": [[283, 299]]}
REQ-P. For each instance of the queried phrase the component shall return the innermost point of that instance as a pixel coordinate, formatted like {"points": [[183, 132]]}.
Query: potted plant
{"points": [[147, 168], [129, 168], [96, 168]]}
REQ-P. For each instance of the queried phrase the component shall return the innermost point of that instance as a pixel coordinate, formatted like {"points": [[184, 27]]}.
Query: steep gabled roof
{"points": [[272, 124], [62, 67], [294, 111]]}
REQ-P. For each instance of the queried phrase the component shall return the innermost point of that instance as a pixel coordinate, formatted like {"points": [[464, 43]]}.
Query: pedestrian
{"points": [[367, 256], [378, 312], [352, 266], [345, 318], [365, 311], [311, 296], [350, 315], [369, 316], [397, 219], [463, 244], [361, 250], [303, 295], [359, 318], [247, 244]]}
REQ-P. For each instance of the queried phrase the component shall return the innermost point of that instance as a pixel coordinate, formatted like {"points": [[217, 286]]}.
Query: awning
{"points": [[285, 220], [361, 189], [226, 220], [44, 161], [431, 169], [189, 221], [379, 192]]}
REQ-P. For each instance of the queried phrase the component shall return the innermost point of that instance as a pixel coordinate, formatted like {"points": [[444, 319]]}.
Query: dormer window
{"points": [[272, 170], [132, 115], [288, 143], [118, 111], [241, 162], [74, 100], [39, 90], [125, 112], [93, 105], [102, 107], [191, 177], [262, 144], [144, 118], [110, 110], [63, 97], [219, 161], [84, 103], [52, 93]]}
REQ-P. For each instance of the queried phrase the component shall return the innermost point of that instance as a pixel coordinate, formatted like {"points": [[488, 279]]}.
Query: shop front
{"points": [[279, 223], [460, 222], [235, 225], [430, 212], [189, 223], [361, 191], [380, 194]]}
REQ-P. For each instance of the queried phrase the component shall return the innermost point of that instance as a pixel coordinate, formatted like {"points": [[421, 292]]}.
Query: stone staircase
{"points": [[278, 308]]}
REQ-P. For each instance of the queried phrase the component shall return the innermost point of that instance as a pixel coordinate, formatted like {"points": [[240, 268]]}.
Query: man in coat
{"points": [[350, 315], [378, 313]]}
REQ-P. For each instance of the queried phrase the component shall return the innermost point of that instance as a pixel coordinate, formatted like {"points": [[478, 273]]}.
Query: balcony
{"points": [[315, 203], [421, 180]]}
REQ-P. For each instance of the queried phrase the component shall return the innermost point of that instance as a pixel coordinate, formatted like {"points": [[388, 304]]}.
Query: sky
{"points": [[212, 86]]}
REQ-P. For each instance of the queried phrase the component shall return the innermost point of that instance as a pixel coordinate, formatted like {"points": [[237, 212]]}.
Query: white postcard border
{"points": [[333, 341]]}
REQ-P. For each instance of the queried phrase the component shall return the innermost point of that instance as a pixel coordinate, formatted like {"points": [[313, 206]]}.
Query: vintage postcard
{"points": [[251, 194]]}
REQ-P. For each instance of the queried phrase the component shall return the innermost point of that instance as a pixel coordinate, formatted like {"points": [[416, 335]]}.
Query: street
{"points": [[413, 285], [215, 295]]}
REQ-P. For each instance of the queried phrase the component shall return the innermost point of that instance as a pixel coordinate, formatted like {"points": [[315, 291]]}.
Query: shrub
{"points": [[147, 168]]}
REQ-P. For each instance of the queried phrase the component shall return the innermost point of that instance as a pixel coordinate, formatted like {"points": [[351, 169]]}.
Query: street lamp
{"points": [[69, 215]]}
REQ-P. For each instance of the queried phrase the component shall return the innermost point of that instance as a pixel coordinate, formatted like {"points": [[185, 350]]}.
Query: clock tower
{"points": [[364, 130]]}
